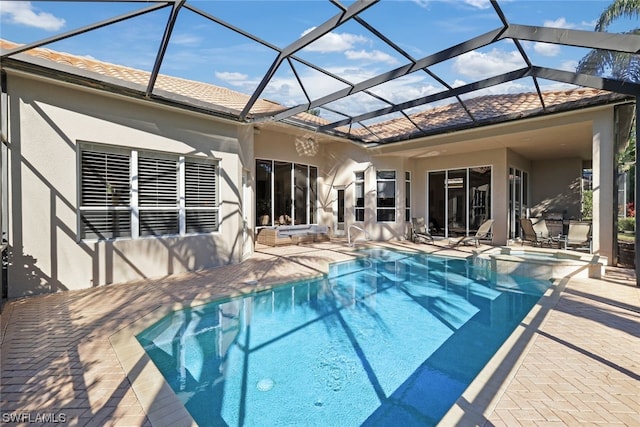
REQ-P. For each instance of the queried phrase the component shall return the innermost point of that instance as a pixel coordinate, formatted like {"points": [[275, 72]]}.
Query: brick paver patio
{"points": [[576, 362]]}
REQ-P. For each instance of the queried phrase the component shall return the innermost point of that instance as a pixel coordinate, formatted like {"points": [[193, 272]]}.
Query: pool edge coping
{"points": [[481, 397]]}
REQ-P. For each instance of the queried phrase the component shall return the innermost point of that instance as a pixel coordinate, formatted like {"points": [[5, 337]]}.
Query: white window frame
{"points": [[134, 200], [89, 208], [395, 202], [407, 196], [357, 181]]}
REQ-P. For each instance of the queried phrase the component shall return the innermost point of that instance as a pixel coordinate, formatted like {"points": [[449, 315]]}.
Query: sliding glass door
{"points": [[518, 200], [459, 200]]}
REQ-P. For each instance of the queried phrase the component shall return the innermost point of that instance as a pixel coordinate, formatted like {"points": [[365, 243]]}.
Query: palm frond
{"points": [[616, 10], [619, 65]]}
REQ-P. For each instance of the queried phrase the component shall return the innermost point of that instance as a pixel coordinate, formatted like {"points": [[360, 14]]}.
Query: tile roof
{"points": [[484, 110], [208, 93], [481, 110]]}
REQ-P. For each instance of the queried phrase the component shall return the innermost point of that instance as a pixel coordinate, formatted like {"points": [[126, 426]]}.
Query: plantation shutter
{"points": [[105, 195], [201, 196], [158, 196]]}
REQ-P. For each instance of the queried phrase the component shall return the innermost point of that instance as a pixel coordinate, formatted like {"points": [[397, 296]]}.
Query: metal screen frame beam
{"points": [[457, 91], [587, 80], [313, 35], [443, 55], [87, 28], [163, 45], [628, 43]]}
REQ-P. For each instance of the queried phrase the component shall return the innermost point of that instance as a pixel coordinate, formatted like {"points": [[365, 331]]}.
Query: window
{"points": [[201, 196], [105, 211], [158, 196], [407, 196], [386, 196], [126, 193], [359, 190], [286, 193]]}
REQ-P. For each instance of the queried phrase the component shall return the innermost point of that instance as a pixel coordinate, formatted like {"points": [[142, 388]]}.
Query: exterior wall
{"points": [[47, 121], [555, 187], [342, 160]]}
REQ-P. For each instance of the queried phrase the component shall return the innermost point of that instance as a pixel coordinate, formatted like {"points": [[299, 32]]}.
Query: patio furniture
{"points": [[419, 232], [540, 227], [483, 233], [529, 234], [293, 234], [579, 236]]}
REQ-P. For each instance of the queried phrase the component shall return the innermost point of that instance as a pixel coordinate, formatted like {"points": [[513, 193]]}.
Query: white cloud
{"points": [[23, 13], [334, 42], [501, 89], [569, 65], [406, 88], [546, 49], [478, 65], [185, 39], [458, 83], [478, 4], [235, 79], [422, 3], [286, 90], [373, 55], [559, 23], [556, 86]]}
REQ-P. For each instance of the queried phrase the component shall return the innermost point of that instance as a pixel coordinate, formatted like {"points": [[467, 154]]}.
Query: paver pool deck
{"points": [[575, 360]]}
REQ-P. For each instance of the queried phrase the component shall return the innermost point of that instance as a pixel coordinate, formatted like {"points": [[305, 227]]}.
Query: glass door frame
{"points": [[518, 192], [467, 183]]}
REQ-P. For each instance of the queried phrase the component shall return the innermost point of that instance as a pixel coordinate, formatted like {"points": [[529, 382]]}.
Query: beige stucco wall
{"points": [[342, 160], [47, 121], [555, 187]]}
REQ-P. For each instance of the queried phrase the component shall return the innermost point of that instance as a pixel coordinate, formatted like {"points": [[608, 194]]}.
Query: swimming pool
{"points": [[388, 339]]}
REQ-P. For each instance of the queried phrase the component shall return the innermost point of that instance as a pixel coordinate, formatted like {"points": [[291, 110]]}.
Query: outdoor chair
{"points": [[530, 235], [540, 227], [484, 233], [419, 232], [579, 236]]}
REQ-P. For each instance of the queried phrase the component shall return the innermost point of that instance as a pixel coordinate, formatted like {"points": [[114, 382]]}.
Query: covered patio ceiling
{"points": [[337, 101]]}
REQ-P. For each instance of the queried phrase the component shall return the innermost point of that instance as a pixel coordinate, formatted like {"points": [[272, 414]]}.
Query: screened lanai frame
{"points": [[355, 126]]}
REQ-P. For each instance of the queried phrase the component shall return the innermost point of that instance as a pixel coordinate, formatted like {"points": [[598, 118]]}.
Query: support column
{"points": [[603, 176], [636, 198]]}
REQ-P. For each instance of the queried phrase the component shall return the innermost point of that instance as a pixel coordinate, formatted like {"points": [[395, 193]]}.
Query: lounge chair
{"points": [[419, 232], [579, 236], [483, 233], [530, 235], [540, 227]]}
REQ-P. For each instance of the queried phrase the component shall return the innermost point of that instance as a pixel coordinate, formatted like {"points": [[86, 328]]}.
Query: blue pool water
{"points": [[390, 339]]}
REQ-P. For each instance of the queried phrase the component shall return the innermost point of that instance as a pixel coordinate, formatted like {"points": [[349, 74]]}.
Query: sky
{"points": [[203, 50]]}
